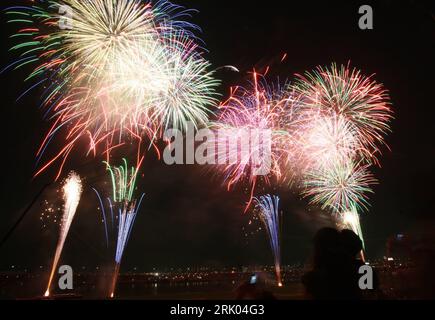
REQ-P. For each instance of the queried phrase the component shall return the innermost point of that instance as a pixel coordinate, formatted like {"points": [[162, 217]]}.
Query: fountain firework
{"points": [[123, 184], [268, 211], [72, 191]]}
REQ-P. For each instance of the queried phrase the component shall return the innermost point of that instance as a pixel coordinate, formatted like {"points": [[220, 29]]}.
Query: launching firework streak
{"points": [[72, 191], [350, 220], [113, 70], [268, 211], [251, 117], [124, 184]]}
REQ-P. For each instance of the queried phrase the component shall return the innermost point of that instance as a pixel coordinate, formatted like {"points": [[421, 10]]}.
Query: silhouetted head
{"points": [[352, 244], [327, 243]]}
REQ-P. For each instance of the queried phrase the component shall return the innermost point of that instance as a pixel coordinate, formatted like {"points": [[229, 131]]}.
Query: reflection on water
{"points": [[93, 286]]}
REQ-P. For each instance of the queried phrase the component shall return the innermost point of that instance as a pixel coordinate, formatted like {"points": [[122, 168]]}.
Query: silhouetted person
{"points": [[351, 244], [335, 266]]}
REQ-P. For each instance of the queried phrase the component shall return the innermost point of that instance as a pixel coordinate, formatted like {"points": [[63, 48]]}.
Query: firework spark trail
{"points": [[269, 214], [103, 212], [126, 70], [72, 191], [123, 186]]}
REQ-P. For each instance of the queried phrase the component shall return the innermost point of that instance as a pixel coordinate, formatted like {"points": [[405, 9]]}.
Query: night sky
{"points": [[188, 218]]}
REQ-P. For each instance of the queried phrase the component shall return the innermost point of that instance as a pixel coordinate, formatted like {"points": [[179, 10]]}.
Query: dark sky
{"points": [[188, 218]]}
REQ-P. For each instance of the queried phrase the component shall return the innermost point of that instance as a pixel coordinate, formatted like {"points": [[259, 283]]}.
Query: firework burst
{"points": [[123, 70], [251, 119], [345, 95], [340, 187], [344, 119], [326, 141]]}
